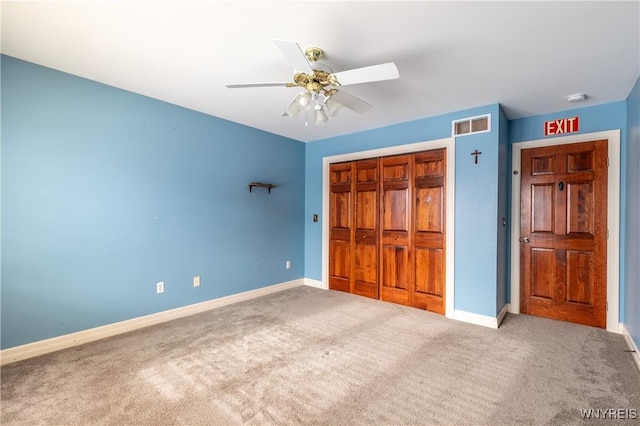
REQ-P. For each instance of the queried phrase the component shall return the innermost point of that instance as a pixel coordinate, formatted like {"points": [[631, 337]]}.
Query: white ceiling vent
{"points": [[471, 125]]}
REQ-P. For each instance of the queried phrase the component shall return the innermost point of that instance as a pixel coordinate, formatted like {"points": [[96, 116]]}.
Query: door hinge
{"points": [[607, 234], [607, 161], [607, 306]]}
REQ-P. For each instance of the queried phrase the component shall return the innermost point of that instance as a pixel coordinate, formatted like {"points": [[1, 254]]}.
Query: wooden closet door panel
{"points": [[428, 289], [340, 227], [366, 228], [395, 229]]}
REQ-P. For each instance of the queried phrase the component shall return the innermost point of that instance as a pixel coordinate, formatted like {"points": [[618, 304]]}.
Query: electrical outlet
{"points": [[160, 287], [288, 264], [196, 281]]}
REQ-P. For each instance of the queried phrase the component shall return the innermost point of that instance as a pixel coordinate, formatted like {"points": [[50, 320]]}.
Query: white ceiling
{"points": [[527, 56]]}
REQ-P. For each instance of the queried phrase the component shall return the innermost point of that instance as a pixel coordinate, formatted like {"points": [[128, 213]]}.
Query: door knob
{"points": [[524, 239]]}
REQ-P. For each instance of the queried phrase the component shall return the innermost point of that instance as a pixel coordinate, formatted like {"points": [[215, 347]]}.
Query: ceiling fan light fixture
{"points": [[332, 106], [320, 115], [293, 109], [304, 100]]}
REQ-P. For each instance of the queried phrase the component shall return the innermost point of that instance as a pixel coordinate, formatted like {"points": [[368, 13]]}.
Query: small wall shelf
{"points": [[262, 185]]}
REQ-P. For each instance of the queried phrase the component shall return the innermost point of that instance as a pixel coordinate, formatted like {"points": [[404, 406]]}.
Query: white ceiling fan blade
{"points": [[387, 71], [294, 55], [243, 85], [351, 102]]}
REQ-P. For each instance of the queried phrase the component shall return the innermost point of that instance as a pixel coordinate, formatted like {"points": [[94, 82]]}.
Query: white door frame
{"points": [[613, 218], [449, 144]]}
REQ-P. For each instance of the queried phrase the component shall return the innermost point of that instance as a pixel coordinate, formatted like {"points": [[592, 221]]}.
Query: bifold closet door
{"points": [[340, 227], [396, 274], [428, 291], [365, 220], [387, 229], [413, 230], [353, 228]]}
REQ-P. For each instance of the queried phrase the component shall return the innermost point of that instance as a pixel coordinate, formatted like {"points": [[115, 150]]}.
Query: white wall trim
{"points": [[477, 319], [631, 344], [449, 144], [314, 283], [613, 218], [19, 353]]}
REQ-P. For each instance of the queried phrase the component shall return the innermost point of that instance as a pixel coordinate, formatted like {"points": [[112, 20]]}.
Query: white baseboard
{"points": [[477, 319], [29, 350], [314, 283], [632, 345]]}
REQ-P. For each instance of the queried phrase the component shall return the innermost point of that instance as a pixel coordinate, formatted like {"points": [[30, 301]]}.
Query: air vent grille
{"points": [[471, 125]]}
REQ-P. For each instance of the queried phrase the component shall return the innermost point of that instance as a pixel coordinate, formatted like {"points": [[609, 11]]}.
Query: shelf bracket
{"points": [[262, 185]]}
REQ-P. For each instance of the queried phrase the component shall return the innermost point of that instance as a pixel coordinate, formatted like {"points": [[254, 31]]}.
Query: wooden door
{"points": [[428, 291], [365, 221], [396, 274], [563, 233], [353, 227], [340, 227]]}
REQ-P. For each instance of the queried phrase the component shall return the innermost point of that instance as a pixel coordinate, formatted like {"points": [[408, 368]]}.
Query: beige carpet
{"points": [[308, 356]]}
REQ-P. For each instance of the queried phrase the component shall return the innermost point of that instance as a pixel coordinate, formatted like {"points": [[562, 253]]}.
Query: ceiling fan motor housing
{"points": [[317, 82]]}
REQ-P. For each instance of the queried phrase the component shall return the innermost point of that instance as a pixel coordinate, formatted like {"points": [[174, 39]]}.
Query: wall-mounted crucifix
{"points": [[476, 153]]}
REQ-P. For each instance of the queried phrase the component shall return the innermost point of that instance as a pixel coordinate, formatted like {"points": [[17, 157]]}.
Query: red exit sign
{"points": [[563, 125]]}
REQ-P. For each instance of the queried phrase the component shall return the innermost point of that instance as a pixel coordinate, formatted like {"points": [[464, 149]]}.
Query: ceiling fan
{"points": [[322, 92]]}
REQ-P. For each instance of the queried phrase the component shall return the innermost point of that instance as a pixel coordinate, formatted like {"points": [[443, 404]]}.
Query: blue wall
{"points": [[105, 192], [476, 221], [632, 258], [476, 199]]}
